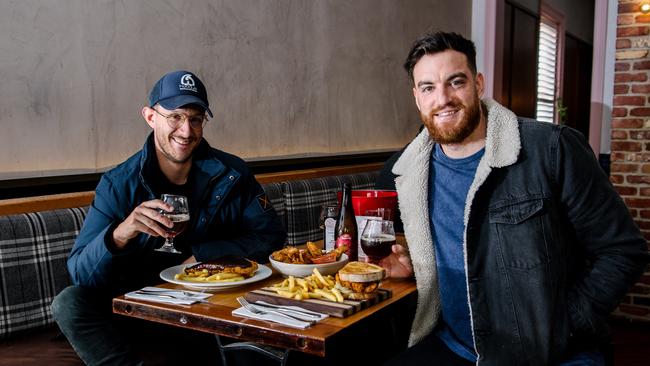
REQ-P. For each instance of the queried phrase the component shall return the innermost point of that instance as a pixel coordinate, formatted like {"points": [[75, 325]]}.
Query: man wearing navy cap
{"points": [[115, 250]]}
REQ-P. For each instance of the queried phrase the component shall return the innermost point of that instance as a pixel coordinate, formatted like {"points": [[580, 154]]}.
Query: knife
{"points": [[188, 294], [291, 309], [171, 296], [273, 317]]}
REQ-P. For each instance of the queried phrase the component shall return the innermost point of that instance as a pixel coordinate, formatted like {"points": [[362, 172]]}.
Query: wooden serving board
{"points": [[337, 309]]}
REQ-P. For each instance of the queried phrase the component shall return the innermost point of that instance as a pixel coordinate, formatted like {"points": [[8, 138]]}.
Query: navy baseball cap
{"points": [[178, 89]]}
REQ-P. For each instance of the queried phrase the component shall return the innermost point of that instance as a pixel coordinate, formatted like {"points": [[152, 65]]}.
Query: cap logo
{"points": [[187, 83]]}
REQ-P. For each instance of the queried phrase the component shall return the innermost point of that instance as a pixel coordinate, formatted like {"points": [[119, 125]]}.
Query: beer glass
{"points": [[180, 216]]}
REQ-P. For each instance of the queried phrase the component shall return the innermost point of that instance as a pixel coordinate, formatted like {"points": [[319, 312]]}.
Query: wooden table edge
{"points": [[249, 329]]}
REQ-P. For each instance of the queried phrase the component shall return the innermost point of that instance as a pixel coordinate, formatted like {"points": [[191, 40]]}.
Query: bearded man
{"points": [[519, 244]]}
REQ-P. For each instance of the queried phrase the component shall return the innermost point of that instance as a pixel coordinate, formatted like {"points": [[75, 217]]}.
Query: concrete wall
{"points": [[285, 77]]}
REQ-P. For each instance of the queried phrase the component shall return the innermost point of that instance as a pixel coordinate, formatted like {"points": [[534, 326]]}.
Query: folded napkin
{"points": [[168, 296], [271, 317]]}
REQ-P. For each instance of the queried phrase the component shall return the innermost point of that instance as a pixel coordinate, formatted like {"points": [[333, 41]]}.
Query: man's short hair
{"points": [[436, 42]]}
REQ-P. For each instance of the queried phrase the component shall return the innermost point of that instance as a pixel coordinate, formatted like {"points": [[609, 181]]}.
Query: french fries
{"points": [[311, 255], [204, 276], [314, 286]]}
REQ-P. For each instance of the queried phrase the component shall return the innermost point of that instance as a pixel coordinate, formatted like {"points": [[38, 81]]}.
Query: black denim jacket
{"points": [[550, 246], [551, 250]]}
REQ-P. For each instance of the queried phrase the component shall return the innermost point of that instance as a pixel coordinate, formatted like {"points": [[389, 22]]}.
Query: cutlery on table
{"points": [[156, 290], [262, 311], [167, 295], [291, 310]]}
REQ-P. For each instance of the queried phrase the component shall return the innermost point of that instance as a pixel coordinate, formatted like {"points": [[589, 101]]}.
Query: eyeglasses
{"points": [[175, 120]]}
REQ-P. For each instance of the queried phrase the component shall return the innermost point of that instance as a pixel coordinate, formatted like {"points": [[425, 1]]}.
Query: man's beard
{"points": [[458, 132]]}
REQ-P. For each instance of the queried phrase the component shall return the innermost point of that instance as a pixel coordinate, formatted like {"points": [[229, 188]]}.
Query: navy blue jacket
{"points": [[229, 214]]}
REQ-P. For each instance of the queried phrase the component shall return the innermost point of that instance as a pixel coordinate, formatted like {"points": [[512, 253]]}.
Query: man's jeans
{"points": [[102, 338], [432, 351]]}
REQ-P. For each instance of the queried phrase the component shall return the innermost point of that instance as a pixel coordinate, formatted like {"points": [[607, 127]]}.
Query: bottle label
{"points": [[344, 239], [330, 223]]}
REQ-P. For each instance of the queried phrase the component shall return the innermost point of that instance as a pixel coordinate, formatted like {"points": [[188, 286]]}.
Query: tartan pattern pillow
{"points": [[33, 251], [276, 196], [303, 200]]}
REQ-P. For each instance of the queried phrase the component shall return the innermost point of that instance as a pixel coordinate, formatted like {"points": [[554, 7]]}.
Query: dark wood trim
{"points": [[519, 76], [40, 186], [77, 199], [289, 164], [29, 187], [317, 172], [531, 12]]}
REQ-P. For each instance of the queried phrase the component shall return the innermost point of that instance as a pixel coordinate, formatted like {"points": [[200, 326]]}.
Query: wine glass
{"points": [[383, 213], [377, 239], [180, 216]]}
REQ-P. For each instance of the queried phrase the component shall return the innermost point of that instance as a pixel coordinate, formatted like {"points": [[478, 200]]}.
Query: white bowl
{"points": [[304, 270]]}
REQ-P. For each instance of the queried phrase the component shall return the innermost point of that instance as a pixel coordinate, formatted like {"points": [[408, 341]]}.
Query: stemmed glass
{"points": [[180, 216], [377, 239]]}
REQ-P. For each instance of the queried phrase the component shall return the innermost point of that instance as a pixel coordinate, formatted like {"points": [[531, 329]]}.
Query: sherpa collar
{"points": [[502, 147], [502, 142]]}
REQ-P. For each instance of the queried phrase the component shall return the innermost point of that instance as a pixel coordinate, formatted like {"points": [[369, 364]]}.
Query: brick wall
{"points": [[630, 169]]}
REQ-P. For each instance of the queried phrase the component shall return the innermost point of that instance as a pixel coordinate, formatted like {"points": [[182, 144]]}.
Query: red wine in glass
{"points": [[377, 239], [378, 247]]}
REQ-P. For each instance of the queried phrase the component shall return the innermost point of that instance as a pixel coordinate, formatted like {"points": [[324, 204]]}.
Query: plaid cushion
{"points": [[304, 199], [34, 247], [274, 191], [33, 252]]}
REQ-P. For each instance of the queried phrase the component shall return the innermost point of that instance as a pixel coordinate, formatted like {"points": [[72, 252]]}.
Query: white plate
{"points": [[304, 270], [169, 273]]}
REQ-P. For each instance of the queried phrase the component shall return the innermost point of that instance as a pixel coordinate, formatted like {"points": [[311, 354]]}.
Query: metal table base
{"points": [[274, 353]]}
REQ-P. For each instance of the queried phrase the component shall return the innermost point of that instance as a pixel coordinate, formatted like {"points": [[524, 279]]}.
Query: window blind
{"points": [[546, 72]]}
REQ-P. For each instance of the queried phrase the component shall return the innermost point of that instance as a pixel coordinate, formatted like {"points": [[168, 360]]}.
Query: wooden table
{"points": [[216, 318]]}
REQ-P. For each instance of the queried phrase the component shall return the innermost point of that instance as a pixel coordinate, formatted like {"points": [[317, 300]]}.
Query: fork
{"points": [[167, 295], [170, 291], [255, 310]]}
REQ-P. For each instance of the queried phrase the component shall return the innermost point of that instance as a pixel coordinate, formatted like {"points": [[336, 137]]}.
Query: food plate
{"points": [[168, 275], [304, 270]]}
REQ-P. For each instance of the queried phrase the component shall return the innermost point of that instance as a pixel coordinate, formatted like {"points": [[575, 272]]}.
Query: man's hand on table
{"points": [[398, 263]]}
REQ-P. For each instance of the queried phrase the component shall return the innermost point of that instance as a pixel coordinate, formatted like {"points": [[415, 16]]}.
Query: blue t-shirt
{"points": [[449, 182]]}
